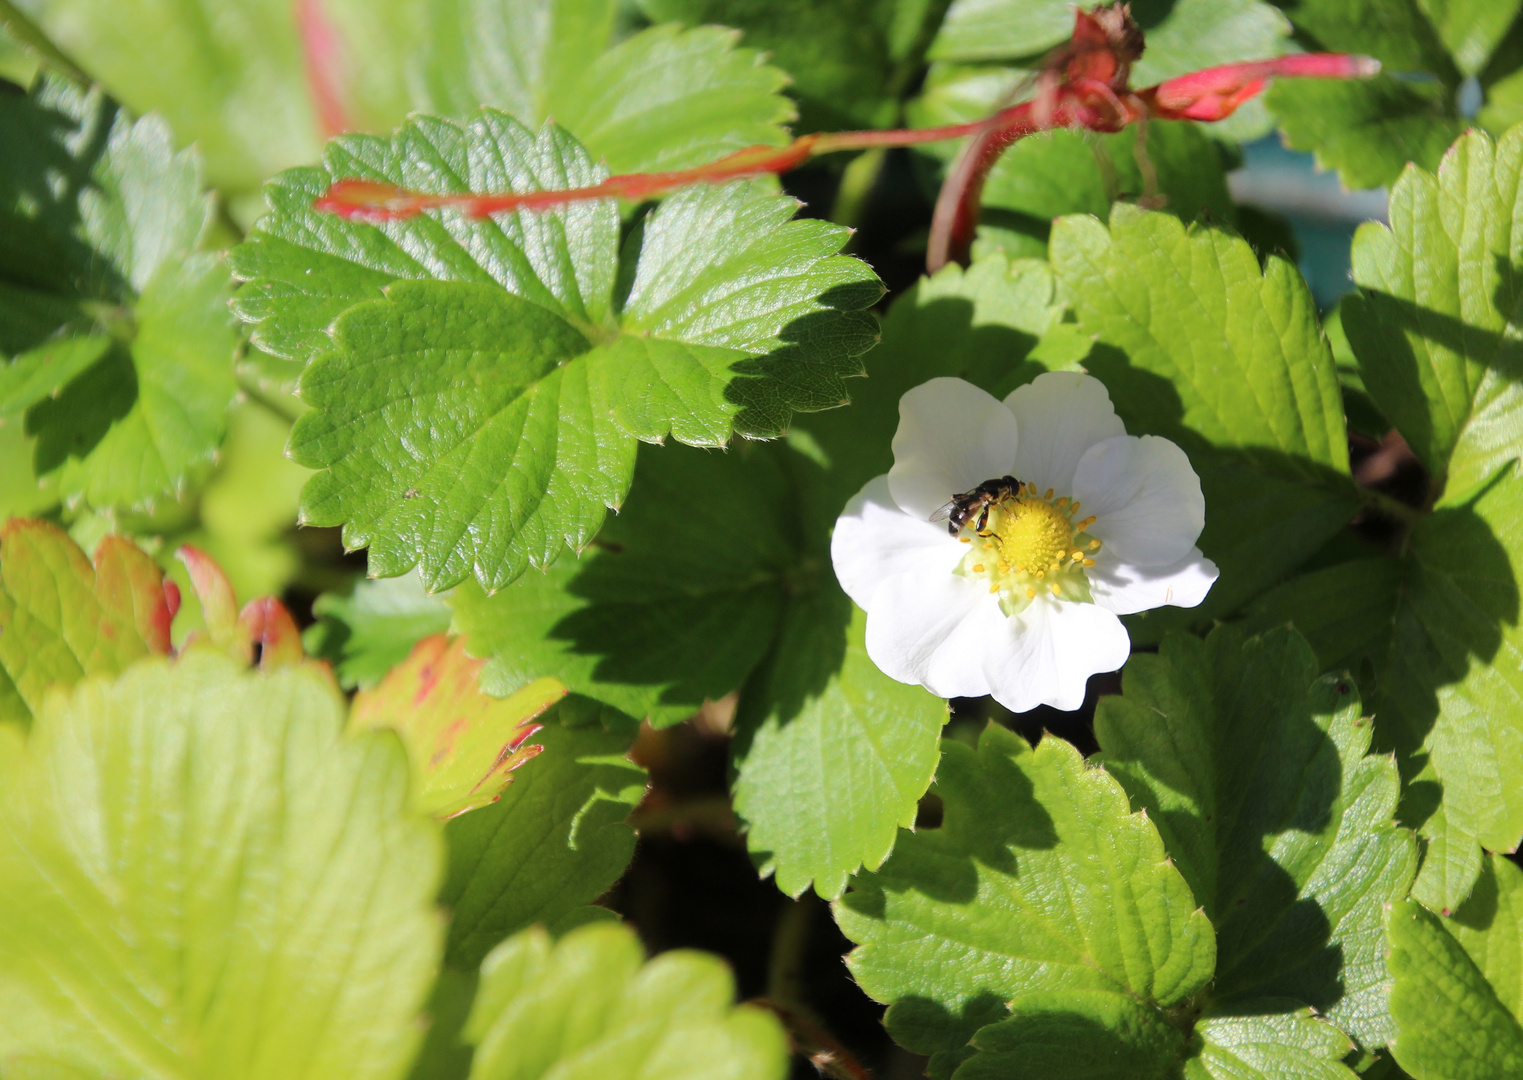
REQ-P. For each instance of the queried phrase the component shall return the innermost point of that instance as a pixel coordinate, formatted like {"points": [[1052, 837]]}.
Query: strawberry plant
{"points": [[704, 538]]}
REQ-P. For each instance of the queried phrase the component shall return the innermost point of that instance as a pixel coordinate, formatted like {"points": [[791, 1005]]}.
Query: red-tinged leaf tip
{"points": [[267, 622], [526, 731], [219, 606], [172, 598]]}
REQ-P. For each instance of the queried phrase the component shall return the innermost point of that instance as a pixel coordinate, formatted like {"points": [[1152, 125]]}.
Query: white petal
{"points": [[952, 437], [1127, 589], [1050, 650], [1061, 414], [875, 540], [933, 629], [1145, 498]]}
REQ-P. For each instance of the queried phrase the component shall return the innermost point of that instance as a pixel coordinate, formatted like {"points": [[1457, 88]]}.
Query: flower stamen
{"points": [[1038, 543]]}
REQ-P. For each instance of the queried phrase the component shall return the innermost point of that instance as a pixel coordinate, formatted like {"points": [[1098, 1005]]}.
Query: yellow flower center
{"points": [[1031, 542]]}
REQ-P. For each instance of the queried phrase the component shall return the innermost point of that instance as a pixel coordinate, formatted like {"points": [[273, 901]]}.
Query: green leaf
{"points": [[1438, 634], [1431, 330], [850, 61], [665, 98], [518, 57], [1471, 29], [1345, 611], [1268, 1047], [370, 631], [1450, 700], [586, 1007], [1040, 891], [120, 346], [1255, 772], [39, 373], [1199, 345], [733, 317], [1202, 346], [63, 618], [1489, 927], [675, 603], [1440, 291], [1072, 173], [1455, 1000], [1081, 1043], [832, 755], [1366, 130], [1502, 84], [20, 494], [464, 744], [681, 598], [431, 418], [200, 874], [554, 840]]}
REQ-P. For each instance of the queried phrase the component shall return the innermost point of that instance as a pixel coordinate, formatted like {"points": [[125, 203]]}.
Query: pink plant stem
{"points": [[321, 50], [955, 218], [1211, 94], [385, 202]]}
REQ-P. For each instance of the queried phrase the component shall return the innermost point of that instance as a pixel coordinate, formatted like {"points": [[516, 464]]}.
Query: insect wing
{"points": [[944, 513]]}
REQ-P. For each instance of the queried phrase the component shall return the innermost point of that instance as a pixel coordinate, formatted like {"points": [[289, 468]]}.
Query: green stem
{"points": [[257, 395], [857, 182], [790, 939], [1393, 508], [913, 58], [30, 36]]}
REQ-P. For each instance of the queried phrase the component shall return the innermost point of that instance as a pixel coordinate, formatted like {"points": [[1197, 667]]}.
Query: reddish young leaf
{"points": [[62, 618], [464, 744], [264, 622], [269, 625], [219, 606]]}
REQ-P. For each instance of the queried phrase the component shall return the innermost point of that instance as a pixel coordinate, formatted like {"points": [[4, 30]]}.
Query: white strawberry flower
{"points": [[1025, 608]]}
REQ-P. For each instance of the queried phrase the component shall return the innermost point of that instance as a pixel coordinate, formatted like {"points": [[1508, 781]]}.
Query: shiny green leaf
{"points": [[1041, 893], [1255, 772], [1434, 323], [435, 403]]}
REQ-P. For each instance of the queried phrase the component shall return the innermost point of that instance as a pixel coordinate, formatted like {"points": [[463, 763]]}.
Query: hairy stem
{"points": [[824, 1051]]}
